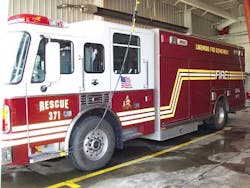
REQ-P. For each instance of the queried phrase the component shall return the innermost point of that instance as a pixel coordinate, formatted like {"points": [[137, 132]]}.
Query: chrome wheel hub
{"points": [[221, 115], [95, 144]]}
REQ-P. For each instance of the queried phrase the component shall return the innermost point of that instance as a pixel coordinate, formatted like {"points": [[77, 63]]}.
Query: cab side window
{"points": [[66, 60], [132, 63], [93, 58], [66, 56], [38, 74]]}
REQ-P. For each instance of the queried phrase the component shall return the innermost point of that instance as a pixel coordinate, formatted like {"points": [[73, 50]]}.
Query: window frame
{"points": [[72, 64], [100, 66], [60, 41], [134, 54]]}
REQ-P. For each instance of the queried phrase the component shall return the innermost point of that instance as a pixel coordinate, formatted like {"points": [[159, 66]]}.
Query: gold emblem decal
{"points": [[126, 104]]}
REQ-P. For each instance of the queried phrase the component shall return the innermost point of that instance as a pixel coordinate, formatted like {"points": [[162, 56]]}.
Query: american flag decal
{"points": [[125, 82]]}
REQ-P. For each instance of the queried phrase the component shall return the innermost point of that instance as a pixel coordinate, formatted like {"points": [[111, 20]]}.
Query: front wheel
{"points": [[219, 119], [92, 147]]}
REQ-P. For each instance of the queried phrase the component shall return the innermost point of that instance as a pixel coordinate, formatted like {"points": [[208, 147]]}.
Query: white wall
{"points": [[238, 35]]}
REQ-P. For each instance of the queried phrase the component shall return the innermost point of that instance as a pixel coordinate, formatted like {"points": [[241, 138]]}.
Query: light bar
{"points": [[29, 18], [34, 19]]}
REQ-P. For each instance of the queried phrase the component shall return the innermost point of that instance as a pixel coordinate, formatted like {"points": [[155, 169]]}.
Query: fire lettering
{"points": [[222, 75], [53, 104]]}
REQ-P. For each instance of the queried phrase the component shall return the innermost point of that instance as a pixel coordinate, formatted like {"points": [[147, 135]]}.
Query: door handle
{"points": [[94, 82], [147, 72]]}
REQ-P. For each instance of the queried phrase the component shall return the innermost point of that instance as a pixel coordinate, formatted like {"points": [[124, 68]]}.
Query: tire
{"points": [[92, 149], [219, 119]]}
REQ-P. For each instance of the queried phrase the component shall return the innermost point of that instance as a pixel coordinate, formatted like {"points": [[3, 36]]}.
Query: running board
{"points": [[45, 156], [130, 134], [168, 133]]}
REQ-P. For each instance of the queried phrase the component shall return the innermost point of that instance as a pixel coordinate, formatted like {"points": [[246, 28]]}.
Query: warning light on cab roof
{"points": [[34, 19]]}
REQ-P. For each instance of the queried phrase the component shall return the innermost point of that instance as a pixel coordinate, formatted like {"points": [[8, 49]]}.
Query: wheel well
{"points": [[110, 117], [224, 100]]}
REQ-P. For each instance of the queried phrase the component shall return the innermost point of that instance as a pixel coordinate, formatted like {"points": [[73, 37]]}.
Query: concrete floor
{"points": [[221, 160]]}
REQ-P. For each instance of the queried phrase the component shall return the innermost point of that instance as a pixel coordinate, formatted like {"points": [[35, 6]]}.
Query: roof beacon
{"points": [[34, 19]]}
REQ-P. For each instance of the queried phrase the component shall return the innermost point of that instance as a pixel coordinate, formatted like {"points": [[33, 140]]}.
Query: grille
{"points": [[91, 99]]}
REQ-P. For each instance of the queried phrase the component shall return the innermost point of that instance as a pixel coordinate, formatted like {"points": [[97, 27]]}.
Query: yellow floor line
{"points": [[72, 183]]}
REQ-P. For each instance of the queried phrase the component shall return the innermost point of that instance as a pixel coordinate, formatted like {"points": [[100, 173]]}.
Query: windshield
{"points": [[13, 54]]}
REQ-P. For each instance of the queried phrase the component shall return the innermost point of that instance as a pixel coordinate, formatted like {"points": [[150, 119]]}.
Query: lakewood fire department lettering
{"points": [[53, 104], [211, 49]]}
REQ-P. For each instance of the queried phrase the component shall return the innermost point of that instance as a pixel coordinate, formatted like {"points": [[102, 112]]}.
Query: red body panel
{"points": [[194, 93], [40, 106], [137, 100], [130, 104], [168, 70], [200, 98], [40, 121]]}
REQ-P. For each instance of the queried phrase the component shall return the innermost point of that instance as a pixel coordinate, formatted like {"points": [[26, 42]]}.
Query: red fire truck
{"points": [[69, 91]]}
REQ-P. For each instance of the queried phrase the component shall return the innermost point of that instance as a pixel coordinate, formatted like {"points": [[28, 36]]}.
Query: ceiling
{"points": [[231, 6], [228, 5], [225, 12]]}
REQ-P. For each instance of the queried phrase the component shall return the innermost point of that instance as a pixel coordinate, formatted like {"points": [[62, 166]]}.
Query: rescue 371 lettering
{"points": [[60, 82], [53, 104]]}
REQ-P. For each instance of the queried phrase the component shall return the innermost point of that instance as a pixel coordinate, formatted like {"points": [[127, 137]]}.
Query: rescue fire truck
{"points": [[70, 91]]}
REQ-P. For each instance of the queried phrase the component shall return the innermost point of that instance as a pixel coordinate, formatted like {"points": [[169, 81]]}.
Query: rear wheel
{"points": [[92, 147], [219, 119]]}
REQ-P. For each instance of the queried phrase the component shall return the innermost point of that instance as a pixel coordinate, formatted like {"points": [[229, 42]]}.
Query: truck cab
{"points": [[57, 78]]}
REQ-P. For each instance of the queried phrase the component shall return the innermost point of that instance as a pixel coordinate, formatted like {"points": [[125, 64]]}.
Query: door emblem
{"points": [[126, 104]]}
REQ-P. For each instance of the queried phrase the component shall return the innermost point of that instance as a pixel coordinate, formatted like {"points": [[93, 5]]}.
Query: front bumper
{"points": [[6, 156]]}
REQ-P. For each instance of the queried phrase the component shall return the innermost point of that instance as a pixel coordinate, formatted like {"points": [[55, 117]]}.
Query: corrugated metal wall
{"points": [[203, 27], [162, 11], [49, 8], [154, 9]]}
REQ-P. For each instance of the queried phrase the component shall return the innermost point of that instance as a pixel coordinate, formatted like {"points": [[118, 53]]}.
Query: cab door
{"points": [[96, 77], [50, 105]]}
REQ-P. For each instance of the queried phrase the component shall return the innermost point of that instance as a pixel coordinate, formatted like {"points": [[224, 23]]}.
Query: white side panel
{"points": [[157, 135], [95, 32], [98, 82], [145, 79], [157, 79]]}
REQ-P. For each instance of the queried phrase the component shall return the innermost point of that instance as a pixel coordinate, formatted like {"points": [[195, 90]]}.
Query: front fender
{"points": [[96, 110]]}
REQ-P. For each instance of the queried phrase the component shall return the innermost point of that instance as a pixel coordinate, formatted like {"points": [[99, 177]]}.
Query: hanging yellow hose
{"points": [[134, 15]]}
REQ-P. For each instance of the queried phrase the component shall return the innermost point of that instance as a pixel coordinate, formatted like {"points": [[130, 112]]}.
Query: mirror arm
{"points": [[45, 87]]}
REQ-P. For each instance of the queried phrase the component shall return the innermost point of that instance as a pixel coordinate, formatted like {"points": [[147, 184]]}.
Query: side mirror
{"points": [[52, 55]]}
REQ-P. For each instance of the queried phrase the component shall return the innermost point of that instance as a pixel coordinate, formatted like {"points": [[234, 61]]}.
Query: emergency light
{"points": [[34, 19], [5, 118]]}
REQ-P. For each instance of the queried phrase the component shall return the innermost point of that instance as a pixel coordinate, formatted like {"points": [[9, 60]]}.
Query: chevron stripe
{"points": [[148, 114]]}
